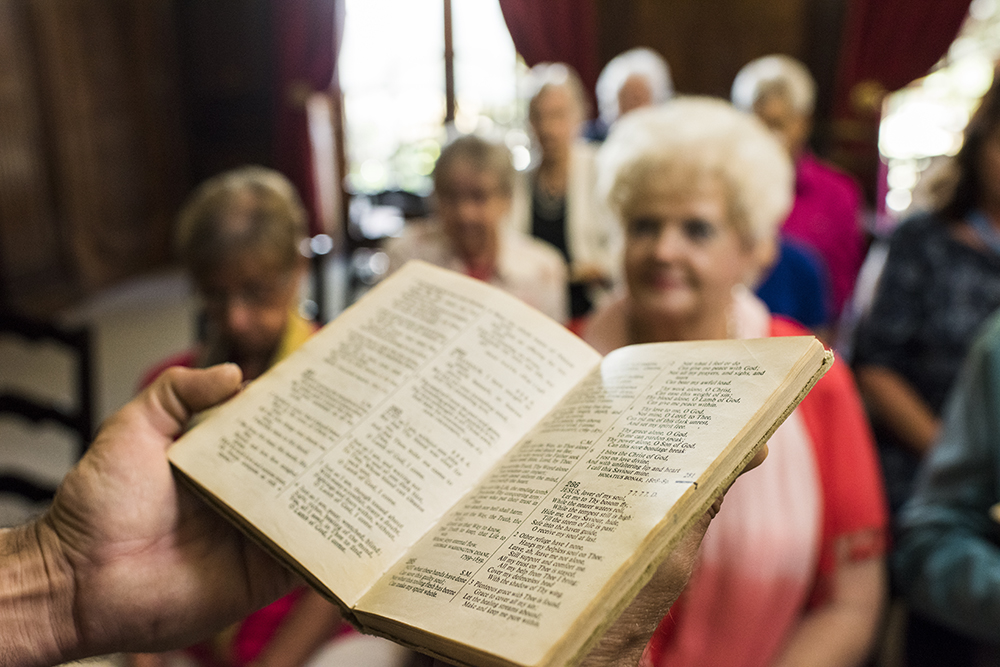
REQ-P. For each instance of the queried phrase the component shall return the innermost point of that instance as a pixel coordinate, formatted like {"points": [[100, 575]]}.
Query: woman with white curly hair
{"points": [[826, 215], [792, 572], [631, 80], [555, 199]]}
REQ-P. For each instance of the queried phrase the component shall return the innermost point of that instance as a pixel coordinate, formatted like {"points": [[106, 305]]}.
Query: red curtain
{"points": [[555, 31], [308, 34], [886, 45]]}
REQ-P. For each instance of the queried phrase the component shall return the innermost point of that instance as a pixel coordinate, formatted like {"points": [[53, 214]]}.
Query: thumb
{"points": [[757, 459], [178, 393]]}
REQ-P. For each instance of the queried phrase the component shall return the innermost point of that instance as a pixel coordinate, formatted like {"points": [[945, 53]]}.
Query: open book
{"points": [[465, 476]]}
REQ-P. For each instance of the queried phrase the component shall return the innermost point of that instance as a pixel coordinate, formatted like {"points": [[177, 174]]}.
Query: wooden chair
{"points": [[76, 420]]}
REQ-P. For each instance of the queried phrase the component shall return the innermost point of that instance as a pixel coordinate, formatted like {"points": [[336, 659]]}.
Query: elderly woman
{"points": [[633, 79], [826, 216], [238, 236], [556, 201], [473, 190], [792, 571]]}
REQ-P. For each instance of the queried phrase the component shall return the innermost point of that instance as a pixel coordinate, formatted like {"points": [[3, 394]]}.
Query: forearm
{"points": [[893, 401], [622, 645], [36, 624], [842, 632], [829, 638]]}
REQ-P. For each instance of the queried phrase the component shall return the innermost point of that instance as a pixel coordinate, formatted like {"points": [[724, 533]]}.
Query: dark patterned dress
{"points": [[934, 294]]}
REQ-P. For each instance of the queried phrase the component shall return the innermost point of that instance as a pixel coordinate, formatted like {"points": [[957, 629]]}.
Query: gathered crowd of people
{"points": [[666, 218], [685, 218]]}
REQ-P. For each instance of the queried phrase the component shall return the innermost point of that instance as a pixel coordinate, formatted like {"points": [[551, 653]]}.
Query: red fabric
{"points": [[307, 38], [852, 480], [555, 31], [578, 324], [894, 42], [257, 629], [886, 45], [483, 273], [250, 639], [826, 217]]}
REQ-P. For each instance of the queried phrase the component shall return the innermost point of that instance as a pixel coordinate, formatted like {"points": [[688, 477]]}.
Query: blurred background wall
{"points": [[110, 110]]}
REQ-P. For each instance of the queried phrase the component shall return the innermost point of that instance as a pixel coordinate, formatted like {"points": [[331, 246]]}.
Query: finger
{"points": [[677, 568], [200, 389], [757, 459], [178, 393]]}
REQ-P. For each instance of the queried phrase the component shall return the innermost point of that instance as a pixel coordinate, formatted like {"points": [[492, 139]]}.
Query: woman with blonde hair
{"points": [[238, 236], [474, 183], [792, 572]]}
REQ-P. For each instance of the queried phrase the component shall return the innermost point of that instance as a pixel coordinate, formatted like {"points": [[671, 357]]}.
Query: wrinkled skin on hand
{"points": [[148, 565], [623, 643]]}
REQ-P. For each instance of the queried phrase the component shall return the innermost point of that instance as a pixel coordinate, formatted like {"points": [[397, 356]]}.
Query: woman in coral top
{"points": [[791, 572]]}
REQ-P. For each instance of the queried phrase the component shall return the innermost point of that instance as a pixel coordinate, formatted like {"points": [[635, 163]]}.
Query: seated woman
{"points": [[947, 562], [473, 188], [238, 236], [939, 284], [633, 79], [557, 200], [826, 214], [792, 571]]}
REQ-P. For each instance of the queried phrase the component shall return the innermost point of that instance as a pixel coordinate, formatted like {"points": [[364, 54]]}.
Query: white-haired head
{"points": [[544, 76], [693, 141], [641, 63], [775, 75]]}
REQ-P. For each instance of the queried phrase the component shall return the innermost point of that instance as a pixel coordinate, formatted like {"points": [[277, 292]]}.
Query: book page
{"points": [[569, 520], [344, 454]]}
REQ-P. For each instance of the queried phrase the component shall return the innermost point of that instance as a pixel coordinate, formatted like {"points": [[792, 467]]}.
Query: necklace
{"points": [[985, 230]]}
